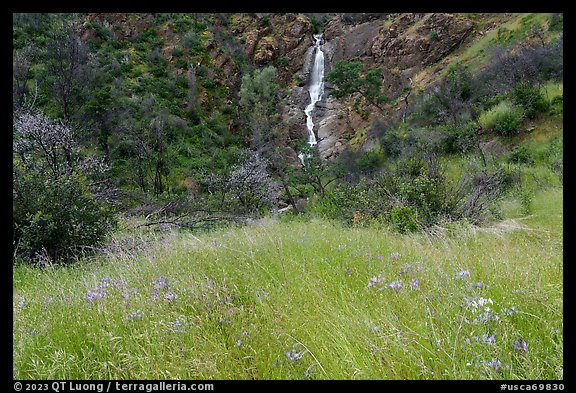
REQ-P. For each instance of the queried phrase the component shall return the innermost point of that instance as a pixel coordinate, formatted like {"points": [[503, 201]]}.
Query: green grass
{"points": [[231, 304]]}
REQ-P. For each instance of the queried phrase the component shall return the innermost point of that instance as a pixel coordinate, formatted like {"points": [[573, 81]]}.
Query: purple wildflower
{"points": [[478, 285], [373, 281], [238, 343], [133, 315], [463, 273], [160, 283], [494, 363], [293, 355], [347, 271], [467, 340], [415, 284], [395, 285], [261, 295], [487, 339], [520, 345], [178, 326], [94, 295], [119, 283], [105, 282], [170, 296], [374, 328]]}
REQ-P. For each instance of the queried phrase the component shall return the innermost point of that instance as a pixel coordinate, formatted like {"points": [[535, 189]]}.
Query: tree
{"points": [[351, 78], [258, 99], [58, 204], [248, 188], [22, 62], [66, 56], [316, 173]]}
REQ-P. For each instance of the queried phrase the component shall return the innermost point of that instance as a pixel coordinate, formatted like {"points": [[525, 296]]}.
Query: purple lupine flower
{"points": [[494, 363], [105, 282], [487, 339], [293, 355], [520, 345], [94, 295], [261, 295], [463, 273], [414, 285], [395, 285], [467, 340], [134, 314], [160, 283], [170, 296]]}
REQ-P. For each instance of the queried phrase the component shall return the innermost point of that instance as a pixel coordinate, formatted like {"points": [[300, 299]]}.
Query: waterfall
{"points": [[315, 89]]}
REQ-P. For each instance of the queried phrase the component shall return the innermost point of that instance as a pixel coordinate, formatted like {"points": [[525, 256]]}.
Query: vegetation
{"points": [[350, 78], [159, 206], [298, 299]]}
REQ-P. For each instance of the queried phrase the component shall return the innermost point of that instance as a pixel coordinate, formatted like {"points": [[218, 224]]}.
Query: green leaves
{"points": [[351, 77]]}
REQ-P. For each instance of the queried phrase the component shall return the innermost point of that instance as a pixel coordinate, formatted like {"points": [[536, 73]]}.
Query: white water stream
{"points": [[315, 89]]}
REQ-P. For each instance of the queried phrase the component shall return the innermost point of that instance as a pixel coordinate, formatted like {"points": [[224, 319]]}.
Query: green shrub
{"points": [[370, 161], [521, 154], [55, 210], [556, 105], [462, 137], [530, 98], [505, 118], [403, 219], [508, 123], [556, 22], [56, 217]]}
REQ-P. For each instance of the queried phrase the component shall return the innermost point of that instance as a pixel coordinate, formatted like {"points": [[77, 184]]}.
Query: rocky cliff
{"points": [[403, 44]]}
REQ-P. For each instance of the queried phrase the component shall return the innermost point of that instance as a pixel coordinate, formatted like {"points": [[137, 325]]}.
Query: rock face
{"points": [[402, 44], [274, 39]]}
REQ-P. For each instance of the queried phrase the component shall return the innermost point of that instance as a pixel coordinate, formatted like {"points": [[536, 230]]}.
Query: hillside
{"points": [[187, 70], [288, 196]]}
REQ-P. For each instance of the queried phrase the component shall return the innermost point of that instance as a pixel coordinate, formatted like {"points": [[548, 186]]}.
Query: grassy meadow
{"points": [[300, 299]]}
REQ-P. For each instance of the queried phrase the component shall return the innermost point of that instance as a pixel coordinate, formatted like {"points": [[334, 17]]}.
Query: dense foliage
{"points": [[141, 104], [59, 202]]}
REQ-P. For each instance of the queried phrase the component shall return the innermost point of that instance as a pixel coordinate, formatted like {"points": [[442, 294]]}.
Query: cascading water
{"points": [[315, 89]]}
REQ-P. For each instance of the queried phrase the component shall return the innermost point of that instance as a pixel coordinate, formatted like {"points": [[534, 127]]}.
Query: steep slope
{"points": [[188, 69]]}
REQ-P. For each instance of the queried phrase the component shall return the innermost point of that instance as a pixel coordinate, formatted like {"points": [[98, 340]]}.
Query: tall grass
{"points": [[298, 300]]}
